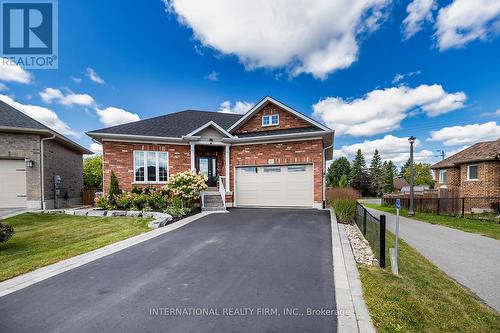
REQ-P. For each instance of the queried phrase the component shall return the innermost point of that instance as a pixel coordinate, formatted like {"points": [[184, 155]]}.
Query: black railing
{"points": [[466, 207], [374, 231]]}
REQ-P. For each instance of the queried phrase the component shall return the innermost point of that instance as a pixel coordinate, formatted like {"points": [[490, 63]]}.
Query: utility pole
{"points": [[410, 209], [441, 154]]}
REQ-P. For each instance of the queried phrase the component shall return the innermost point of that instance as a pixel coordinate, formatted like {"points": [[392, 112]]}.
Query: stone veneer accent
{"points": [[287, 120]]}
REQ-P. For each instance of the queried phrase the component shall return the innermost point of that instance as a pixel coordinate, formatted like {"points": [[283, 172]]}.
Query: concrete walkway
{"points": [[472, 260]]}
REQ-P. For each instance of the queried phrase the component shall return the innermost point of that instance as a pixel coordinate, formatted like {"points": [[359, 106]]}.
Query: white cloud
{"points": [[468, 134], [316, 37], [419, 12], [44, 115], [239, 107], [96, 147], [3, 87], [464, 21], [382, 110], [11, 72], [77, 80], [112, 116], [50, 95], [93, 76], [390, 148], [213, 76], [399, 77]]}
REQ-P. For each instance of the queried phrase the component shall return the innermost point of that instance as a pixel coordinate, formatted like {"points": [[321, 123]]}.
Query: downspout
{"points": [[42, 176], [324, 175]]}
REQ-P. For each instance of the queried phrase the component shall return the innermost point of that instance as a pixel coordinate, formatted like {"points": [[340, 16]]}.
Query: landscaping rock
{"points": [[96, 213], [134, 213], [69, 212], [81, 212], [149, 214], [361, 249], [116, 213]]}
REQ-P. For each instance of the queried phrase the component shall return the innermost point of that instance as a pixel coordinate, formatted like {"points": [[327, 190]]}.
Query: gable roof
{"points": [[13, 120], [481, 151], [173, 125], [266, 100]]}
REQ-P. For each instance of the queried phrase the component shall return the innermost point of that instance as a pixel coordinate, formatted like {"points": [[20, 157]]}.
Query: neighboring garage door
{"points": [[274, 186], [12, 183]]}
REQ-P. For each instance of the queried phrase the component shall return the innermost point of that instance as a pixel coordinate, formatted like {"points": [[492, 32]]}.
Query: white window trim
{"points": [[157, 154], [468, 173], [441, 176], [270, 116]]}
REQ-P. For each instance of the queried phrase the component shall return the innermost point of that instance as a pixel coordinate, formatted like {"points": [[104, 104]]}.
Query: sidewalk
{"points": [[470, 259]]}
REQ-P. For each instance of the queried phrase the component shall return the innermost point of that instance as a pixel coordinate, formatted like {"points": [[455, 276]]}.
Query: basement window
{"points": [[472, 172], [150, 167], [271, 120]]}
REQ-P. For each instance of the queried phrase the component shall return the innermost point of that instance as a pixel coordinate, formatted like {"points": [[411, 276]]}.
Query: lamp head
{"points": [[411, 139]]}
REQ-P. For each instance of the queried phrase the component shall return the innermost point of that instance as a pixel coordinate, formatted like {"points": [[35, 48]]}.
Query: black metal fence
{"points": [[449, 206], [374, 231]]}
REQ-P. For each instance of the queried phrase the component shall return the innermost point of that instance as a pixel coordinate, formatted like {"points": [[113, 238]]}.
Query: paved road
{"points": [[250, 258], [472, 260]]}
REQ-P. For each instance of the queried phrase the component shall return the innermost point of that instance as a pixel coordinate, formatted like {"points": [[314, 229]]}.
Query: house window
{"points": [[150, 167], [443, 176], [271, 120], [472, 172]]}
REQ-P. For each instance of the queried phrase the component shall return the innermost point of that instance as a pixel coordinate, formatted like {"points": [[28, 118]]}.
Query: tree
{"points": [[358, 164], [376, 175], [421, 174], [114, 187], [92, 172], [340, 167], [343, 182], [403, 169], [361, 182], [390, 171]]}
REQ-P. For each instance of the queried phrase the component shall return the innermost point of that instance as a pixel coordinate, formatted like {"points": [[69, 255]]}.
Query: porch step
{"points": [[214, 209], [213, 202]]}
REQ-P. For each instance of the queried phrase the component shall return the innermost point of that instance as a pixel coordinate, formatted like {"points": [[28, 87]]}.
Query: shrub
{"points": [[177, 212], [6, 232], [104, 203], [136, 190], [186, 185], [343, 201], [114, 187]]}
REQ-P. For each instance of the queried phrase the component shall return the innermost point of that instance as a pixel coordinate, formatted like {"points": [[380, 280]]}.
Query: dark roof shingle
{"points": [[172, 125], [11, 117], [481, 151]]}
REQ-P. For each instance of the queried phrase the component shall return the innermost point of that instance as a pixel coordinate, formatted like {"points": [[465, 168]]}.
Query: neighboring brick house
{"points": [[271, 156], [471, 173], [31, 154]]}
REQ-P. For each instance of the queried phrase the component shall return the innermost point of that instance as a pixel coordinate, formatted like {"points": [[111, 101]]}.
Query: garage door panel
{"points": [[12, 183], [275, 186]]}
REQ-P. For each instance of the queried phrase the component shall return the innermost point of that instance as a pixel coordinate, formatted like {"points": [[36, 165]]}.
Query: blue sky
{"points": [[338, 64]]}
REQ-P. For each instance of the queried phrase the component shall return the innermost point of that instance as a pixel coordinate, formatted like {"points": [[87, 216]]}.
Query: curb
{"points": [[43, 273], [353, 313]]}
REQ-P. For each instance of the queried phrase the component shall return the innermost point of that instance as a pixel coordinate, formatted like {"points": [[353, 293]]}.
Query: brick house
{"points": [[270, 156], [471, 173], [31, 155]]}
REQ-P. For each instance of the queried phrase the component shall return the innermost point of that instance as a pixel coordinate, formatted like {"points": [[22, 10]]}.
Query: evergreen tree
{"points": [[390, 171], [340, 167], [403, 169], [114, 187], [377, 180], [361, 182], [343, 182], [358, 164]]}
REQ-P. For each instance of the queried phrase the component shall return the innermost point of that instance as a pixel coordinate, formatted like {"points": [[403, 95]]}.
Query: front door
{"points": [[207, 166]]}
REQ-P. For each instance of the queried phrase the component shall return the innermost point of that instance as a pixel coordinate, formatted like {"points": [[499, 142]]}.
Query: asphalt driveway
{"points": [[256, 270]]}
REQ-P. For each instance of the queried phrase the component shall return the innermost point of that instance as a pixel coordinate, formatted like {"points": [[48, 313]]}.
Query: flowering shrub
{"points": [[186, 185]]}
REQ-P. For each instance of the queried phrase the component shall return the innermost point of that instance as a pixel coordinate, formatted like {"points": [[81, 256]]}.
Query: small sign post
{"points": [[394, 252]]}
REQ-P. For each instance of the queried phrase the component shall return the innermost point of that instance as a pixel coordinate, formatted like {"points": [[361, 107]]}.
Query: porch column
{"points": [[228, 172], [192, 157]]}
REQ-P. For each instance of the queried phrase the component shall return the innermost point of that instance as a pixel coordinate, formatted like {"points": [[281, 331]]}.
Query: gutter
{"points": [[42, 176]]}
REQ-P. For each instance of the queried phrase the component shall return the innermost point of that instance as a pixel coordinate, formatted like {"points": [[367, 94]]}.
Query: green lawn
{"points": [[43, 239], [422, 298], [488, 228]]}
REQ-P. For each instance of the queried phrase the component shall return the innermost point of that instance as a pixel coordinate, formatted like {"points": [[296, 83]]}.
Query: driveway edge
{"points": [[353, 315], [43, 273]]}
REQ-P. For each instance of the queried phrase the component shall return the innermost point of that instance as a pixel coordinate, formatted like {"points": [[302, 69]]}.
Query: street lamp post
{"points": [[410, 208]]}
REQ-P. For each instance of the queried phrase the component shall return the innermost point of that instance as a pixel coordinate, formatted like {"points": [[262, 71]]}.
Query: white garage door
{"points": [[12, 183], [275, 185]]}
